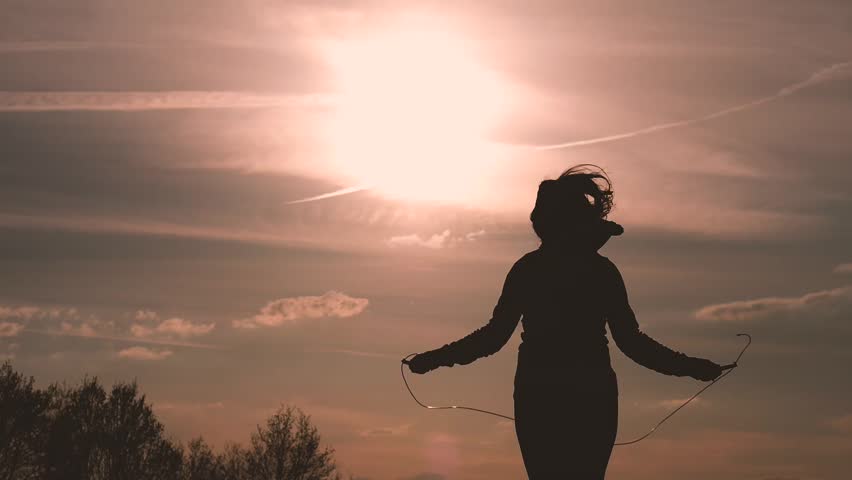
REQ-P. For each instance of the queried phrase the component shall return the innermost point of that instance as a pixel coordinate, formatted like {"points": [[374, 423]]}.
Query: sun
{"points": [[412, 115]]}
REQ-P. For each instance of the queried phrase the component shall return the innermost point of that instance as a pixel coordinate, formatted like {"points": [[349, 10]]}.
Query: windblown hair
{"points": [[578, 198]]}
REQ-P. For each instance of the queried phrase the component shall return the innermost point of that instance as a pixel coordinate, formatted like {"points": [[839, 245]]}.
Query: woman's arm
{"points": [[641, 348], [485, 340]]}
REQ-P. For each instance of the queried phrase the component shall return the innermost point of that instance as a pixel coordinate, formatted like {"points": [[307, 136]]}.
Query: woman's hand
{"points": [[422, 363], [705, 370]]}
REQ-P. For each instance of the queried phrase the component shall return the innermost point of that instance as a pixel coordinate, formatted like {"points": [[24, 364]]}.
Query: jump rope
{"points": [[726, 368]]}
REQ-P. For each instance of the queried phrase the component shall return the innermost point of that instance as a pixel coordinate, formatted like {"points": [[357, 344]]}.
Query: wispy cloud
{"points": [[143, 353], [472, 236], [15, 319], [189, 407], [394, 431], [425, 476], [13, 101], [677, 402], [842, 423], [817, 77], [29, 312], [843, 268], [146, 316], [60, 45], [356, 353], [289, 310], [816, 303], [139, 227], [69, 322], [336, 193], [173, 327], [10, 329], [9, 352], [438, 240], [87, 332]]}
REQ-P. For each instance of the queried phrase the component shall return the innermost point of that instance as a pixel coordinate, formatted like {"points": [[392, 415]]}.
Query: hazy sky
{"points": [[150, 153]]}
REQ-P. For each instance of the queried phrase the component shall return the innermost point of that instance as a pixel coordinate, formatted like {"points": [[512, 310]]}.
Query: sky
{"points": [[248, 204]]}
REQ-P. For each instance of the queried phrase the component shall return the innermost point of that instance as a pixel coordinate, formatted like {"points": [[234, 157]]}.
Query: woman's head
{"points": [[581, 196]]}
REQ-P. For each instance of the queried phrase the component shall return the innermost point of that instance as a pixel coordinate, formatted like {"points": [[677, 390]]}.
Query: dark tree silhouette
{"points": [[75, 418], [234, 462], [22, 426], [133, 444], [288, 448], [95, 434], [200, 463], [85, 432]]}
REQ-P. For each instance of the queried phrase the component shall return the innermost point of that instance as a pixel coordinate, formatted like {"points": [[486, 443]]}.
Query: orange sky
{"points": [[151, 155]]}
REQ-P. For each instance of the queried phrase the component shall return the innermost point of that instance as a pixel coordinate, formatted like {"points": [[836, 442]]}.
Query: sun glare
{"points": [[413, 114]]}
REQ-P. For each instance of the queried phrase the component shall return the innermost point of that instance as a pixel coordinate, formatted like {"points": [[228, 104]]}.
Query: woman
{"points": [[566, 395]]}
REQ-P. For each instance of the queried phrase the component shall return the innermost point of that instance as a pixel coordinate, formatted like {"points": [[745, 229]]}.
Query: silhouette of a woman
{"points": [[566, 395]]}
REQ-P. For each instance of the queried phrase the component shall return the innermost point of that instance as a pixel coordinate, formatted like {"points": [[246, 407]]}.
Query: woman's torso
{"points": [[564, 343]]}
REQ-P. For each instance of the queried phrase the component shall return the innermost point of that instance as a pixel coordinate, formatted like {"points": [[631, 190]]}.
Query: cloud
{"points": [[9, 353], [52, 46], [33, 312], [817, 77], [143, 353], [69, 322], [425, 476], [145, 316], [189, 407], [824, 74], [288, 310], [820, 303], [472, 236], [16, 101], [10, 329], [88, 332], [677, 402], [843, 268], [396, 431], [91, 327], [355, 353], [173, 327], [14, 320], [140, 227], [336, 193], [436, 241], [18, 312], [842, 423]]}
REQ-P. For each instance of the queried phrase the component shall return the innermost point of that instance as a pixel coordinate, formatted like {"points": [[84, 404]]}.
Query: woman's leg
{"points": [[565, 435]]}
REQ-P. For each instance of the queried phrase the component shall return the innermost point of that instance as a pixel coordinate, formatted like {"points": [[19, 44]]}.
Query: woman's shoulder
{"points": [[607, 265], [536, 259], [539, 254]]}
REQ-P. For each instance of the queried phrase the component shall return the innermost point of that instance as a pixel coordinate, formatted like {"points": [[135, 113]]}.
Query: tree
{"points": [[75, 419], [86, 432], [200, 463], [22, 425], [113, 436], [132, 444], [288, 448], [234, 462]]}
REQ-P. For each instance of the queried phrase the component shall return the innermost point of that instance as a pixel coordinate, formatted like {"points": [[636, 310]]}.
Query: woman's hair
{"points": [[579, 197]]}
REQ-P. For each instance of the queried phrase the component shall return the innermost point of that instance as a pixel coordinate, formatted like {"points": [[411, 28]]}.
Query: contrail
{"points": [[123, 339], [817, 77], [336, 193], [135, 101]]}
